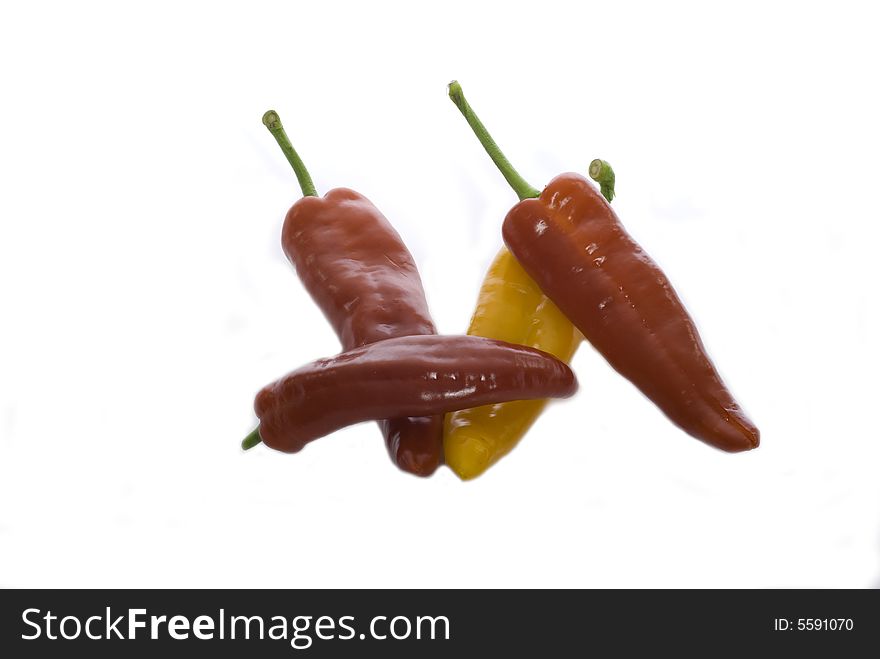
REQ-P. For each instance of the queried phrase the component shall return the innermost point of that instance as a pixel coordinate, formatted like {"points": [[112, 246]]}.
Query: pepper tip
{"points": [[422, 466], [470, 454]]}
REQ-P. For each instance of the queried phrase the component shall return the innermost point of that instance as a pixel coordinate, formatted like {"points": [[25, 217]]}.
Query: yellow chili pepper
{"points": [[511, 307]]}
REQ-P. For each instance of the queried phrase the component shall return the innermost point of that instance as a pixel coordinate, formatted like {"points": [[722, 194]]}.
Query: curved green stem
{"points": [[517, 182], [601, 172], [273, 122], [251, 440]]}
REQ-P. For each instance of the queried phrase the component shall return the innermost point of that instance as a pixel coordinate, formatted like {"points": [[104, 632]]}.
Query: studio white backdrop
{"points": [[145, 297]]}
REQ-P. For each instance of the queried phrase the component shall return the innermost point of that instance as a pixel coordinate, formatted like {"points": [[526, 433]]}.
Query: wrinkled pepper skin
{"points": [[357, 269], [572, 244], [512, 308], [407, 376]]}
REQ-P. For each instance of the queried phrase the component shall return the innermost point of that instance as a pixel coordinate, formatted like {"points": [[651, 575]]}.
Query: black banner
{"points": [[318, 623]]}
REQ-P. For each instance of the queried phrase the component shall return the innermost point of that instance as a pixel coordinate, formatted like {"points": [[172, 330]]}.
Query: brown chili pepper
{"points": [[406, 376], [572, 244], [361, 275]]}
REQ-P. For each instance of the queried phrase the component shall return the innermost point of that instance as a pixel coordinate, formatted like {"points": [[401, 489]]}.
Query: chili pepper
{"points": [[406, 376], [510, 307], [357, 269], [570, 241]]}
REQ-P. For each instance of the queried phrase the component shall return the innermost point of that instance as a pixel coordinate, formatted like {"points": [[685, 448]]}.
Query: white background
{"points": [[145, 297]]}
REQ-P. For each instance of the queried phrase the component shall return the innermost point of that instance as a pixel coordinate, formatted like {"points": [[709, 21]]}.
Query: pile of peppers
{"points": [[568, 272]]}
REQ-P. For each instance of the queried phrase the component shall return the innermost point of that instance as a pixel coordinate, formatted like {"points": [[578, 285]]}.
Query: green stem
{"points": [[601, 172], [251, 440], [517, 182], [273, 122]]}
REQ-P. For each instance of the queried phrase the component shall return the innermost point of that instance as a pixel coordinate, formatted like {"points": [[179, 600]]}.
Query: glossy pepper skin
{"points": [[512, 308], [357, 269], [406, 376], [572, 244]]}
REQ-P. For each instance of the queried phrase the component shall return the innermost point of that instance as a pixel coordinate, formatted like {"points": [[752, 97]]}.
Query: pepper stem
{"points": [[273, 122], [517, 182], [601, 172], [251, 440]]}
